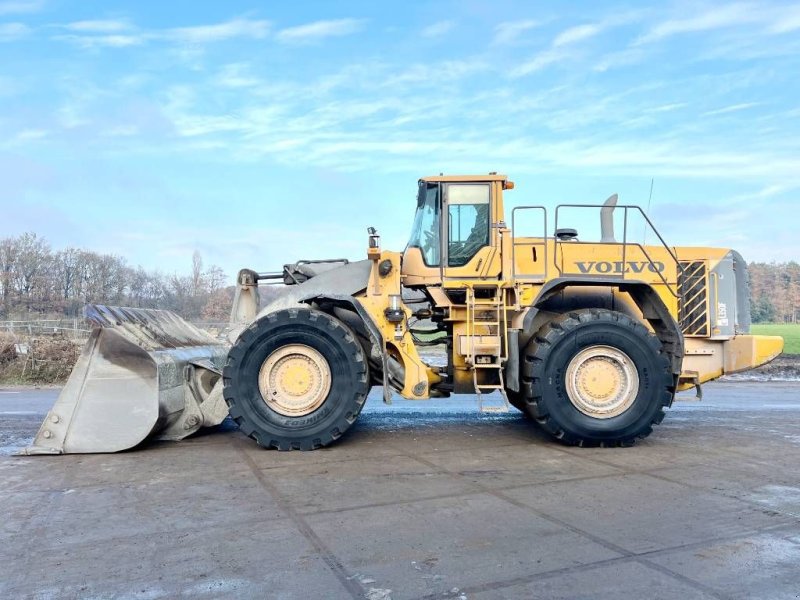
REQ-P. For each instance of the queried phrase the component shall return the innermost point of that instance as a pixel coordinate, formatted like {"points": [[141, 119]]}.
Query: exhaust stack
{"points": [[607, 220]]}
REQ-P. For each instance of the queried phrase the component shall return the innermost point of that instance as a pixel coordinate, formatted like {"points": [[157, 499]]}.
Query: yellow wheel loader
{"points": [[589, 338]]}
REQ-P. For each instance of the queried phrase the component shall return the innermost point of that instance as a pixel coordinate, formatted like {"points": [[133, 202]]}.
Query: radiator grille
{"points": [[693, 293]]}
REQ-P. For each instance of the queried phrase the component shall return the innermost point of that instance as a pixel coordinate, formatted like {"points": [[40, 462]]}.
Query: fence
{"points": [[72, 328], [77, 328]]}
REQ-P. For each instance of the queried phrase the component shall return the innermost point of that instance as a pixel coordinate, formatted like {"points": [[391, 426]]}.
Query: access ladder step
{"points": [[493, 407], [480, 388]]}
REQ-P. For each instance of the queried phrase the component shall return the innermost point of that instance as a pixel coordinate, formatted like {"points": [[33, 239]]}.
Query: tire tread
{"points": [[539, 350], [293, 440]]}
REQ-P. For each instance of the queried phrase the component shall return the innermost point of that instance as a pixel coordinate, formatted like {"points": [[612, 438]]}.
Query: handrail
{"points": [[625, 243]]}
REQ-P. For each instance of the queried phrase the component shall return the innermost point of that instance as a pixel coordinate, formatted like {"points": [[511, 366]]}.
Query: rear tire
{"points": [[296, 379], [596, 377]]}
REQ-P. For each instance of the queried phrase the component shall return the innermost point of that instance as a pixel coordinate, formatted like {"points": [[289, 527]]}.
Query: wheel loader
{"points": [[591, 339]]}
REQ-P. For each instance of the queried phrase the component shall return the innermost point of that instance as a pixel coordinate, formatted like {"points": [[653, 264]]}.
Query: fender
{"points": [[369, 325], [646, 298]]}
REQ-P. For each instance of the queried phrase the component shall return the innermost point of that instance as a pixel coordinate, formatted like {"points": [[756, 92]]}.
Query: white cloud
{"points": [[509, 32], [786, 21], [623, 58], [17, 7], [199, 125], [119, 34], [437, 29], [730, 109], [104, 41], [235, 28], [539, 62], [10, 32], [764, 193], [578, 33], [318, 30], [443, 71], [668, 107], [773, 190], [31, 135], [714, 18], [98, 26], [586, 31], [236, 75], [559, 48]]}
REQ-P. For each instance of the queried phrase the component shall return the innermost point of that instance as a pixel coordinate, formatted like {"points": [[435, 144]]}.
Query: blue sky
{"points": [[261, 133]]}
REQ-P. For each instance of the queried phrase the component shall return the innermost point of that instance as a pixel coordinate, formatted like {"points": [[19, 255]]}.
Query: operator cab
{"points": [[454, 233]]}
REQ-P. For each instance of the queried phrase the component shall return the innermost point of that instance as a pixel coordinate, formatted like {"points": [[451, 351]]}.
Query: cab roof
{"points": [[451, 178]]}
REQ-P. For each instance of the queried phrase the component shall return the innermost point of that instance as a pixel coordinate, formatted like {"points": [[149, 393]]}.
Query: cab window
{"points": [[468, 221]]}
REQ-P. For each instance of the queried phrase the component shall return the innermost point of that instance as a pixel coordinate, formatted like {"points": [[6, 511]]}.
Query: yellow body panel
{"points": [[397, 339], [521, 267], [707, 359], [632, 263], [744, 352]]}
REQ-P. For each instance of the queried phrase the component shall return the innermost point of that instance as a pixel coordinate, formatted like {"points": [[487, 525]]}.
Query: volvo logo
{"points": [[619, 267]]}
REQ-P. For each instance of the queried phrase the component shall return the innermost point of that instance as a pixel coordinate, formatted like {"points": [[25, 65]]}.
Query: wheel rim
{"points": [[294, 380], [602, 382]]}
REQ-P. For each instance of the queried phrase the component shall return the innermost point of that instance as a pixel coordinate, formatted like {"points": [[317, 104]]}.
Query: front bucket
{"points": [[142, 374]]}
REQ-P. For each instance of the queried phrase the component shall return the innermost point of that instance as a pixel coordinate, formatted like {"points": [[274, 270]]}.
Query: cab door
{"points": [[469, 249]]}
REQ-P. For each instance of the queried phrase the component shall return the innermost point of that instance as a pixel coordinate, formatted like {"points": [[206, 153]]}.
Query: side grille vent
{"points": [[693, 294]]}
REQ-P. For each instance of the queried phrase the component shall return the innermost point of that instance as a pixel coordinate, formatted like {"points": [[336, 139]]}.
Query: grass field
{"points": [[789, 332]]}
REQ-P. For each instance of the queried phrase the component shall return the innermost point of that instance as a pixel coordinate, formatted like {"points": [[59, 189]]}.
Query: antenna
{"points": [[649, 200]]}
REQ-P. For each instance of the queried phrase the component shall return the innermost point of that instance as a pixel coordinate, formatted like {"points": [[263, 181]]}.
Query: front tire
{"points": [[296, 379], [597, 377]]}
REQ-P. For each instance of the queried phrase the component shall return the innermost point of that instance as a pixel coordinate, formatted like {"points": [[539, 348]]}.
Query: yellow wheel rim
{"points": [[294, 380], [602, 382]]}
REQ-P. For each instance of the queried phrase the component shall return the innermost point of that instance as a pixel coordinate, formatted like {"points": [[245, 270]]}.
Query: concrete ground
{"points": [[418, 501]]}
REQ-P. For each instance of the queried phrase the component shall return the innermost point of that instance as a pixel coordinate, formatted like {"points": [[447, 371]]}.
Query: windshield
{"points": [[425, 230]]}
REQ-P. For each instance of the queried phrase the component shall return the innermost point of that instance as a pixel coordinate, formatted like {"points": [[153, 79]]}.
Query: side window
{"points": [[468, 221]]}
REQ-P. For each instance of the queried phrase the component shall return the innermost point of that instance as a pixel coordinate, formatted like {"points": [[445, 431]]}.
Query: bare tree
{"points": [[29, 274], [33, 278], [8, 260], [197, 273], [218, 305], [214, 279]]}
